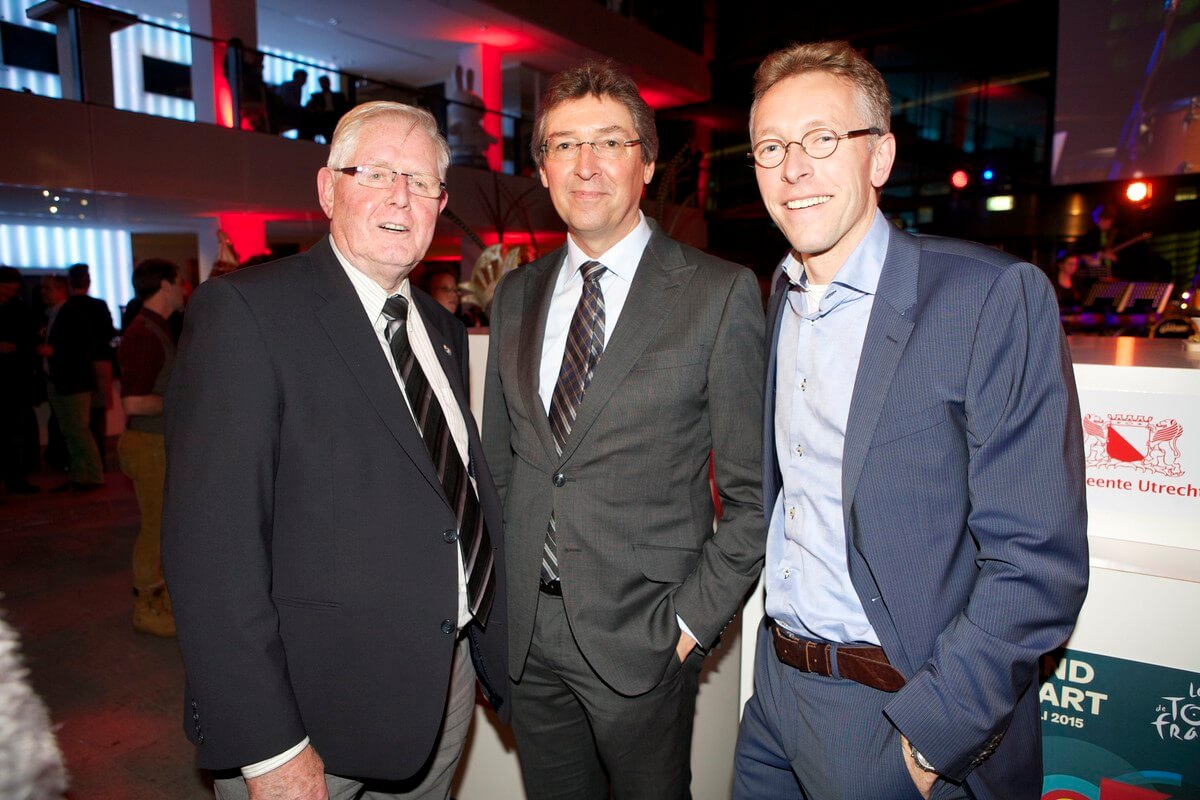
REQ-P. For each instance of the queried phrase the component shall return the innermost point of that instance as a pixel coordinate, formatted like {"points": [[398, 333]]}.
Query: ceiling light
{"points": [[53, 209], [45, 192]]}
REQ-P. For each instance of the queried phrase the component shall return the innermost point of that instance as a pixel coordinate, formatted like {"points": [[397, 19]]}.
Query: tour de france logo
{"points": [[1137, 441]]}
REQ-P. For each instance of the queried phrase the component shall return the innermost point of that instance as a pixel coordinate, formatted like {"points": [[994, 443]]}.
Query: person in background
{"points": [[69, 352], [18, 375], [146, 355], [101, 333]]}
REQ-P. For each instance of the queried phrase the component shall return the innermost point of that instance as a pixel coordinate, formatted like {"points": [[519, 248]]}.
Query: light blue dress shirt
{"points": [[807, 579]]}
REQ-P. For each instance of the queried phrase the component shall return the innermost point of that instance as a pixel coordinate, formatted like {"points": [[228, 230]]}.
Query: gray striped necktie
{"points": [[473, 539], [585, 343]]}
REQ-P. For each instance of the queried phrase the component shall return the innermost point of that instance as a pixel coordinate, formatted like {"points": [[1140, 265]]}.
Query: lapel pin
{"points": [[446, 347]]}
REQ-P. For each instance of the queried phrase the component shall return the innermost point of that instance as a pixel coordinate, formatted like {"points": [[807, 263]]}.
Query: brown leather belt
{"points": [[865, 664]]}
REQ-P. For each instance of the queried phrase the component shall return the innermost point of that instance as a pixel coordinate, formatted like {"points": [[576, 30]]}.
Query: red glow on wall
{"points": [[505, 39], [658, 98], [224, 100], [247, 232]]}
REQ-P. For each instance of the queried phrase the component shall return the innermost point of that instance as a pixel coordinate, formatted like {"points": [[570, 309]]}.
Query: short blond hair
{"points": [[345, 136], [836, 58]]}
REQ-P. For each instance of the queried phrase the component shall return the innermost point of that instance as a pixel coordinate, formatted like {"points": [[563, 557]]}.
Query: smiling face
{"points": [[383, 233], [597, 198], [823, 206]]}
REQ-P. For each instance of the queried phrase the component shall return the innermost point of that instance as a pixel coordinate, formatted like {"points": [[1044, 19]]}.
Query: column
{"points": [[212, 91]]}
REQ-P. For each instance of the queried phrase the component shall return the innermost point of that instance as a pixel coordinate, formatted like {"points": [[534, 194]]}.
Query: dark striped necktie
{"points": [[585, 343], [473, 539]]}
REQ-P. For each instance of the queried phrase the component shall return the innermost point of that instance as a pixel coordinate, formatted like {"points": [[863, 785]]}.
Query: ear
{"points": [[442, 203], [883, 155], [542, 173], [325, 181], [648, 173]]}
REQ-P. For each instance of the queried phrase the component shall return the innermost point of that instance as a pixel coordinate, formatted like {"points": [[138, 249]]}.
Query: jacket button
{"points": [[447, 626], [560, 480], [450, 536]]}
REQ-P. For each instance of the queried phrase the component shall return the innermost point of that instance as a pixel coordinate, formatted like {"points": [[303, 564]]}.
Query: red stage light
{"points": [[959, 179]]}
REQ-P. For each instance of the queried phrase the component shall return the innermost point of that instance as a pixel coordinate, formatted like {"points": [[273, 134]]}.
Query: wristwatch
{"points": [[920, 760]]}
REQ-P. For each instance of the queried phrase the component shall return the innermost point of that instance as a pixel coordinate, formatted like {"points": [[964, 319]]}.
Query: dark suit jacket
{"points": [[81, 335], [303, 538], [680, 377], [962, 488]]}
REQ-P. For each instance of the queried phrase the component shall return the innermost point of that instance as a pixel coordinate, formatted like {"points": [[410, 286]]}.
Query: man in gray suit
{"points": [[617, 364]]}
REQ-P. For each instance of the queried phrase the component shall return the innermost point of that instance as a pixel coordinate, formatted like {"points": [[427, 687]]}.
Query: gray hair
{"points": [[603, 79], [345, 136]]}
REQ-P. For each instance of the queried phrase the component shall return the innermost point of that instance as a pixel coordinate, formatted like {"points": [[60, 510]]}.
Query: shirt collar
{"points": [[621, 259], [370, 293], [864, 265]]}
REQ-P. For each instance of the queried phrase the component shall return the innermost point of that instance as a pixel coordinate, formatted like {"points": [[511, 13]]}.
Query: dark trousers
{"points": [[576, 736], [809, 737]]}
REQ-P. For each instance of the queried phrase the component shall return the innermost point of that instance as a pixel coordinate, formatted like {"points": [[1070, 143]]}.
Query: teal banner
{"points": [[1114, 729]]}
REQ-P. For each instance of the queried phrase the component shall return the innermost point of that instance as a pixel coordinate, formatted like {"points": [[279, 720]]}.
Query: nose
{"points": [[585, 162], [796, 164], [399, 193]]}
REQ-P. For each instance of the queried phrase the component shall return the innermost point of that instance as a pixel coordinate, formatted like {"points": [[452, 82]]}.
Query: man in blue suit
{"points": [[923, 471]]}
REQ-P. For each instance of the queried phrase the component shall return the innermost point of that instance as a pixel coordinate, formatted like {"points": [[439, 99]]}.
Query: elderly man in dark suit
{"points": [[923, 464], [617, 364], [332, 533]]}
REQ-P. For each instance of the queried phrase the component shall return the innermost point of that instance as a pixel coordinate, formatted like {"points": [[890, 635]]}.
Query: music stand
{"points": [[1146, 298], [1106, 297]]}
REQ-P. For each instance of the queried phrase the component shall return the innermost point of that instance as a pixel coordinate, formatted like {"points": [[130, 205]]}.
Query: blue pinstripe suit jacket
{"points": [[963, 495]]}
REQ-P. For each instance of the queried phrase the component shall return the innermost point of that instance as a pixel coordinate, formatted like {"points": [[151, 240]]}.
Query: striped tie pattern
{"points": [[585, 343], [473, 539]]}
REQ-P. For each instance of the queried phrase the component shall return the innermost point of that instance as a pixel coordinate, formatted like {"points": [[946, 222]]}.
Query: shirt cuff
{"points": [[263, 767]]}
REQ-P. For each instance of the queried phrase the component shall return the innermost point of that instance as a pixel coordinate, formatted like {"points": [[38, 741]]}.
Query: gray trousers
{"points": [[430, 784], [576, 736]]}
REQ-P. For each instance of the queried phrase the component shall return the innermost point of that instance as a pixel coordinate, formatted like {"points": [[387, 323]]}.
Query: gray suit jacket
{"points": [[681, 376]]}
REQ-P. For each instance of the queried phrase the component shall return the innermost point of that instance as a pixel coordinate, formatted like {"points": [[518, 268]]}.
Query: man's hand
{"points": [[685, 646], [302, 778], [923, 780]]}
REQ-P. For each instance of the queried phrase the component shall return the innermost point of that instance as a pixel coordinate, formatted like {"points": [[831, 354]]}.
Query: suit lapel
{"points": [[347, 326], [652, 295], [538, 290], [888, 329]]}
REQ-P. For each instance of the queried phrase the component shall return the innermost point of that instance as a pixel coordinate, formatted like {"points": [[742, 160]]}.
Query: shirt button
{"points": [[450, 536], [787, 573], [560, 480], [792, 512], [447, 626], [799, 449]]}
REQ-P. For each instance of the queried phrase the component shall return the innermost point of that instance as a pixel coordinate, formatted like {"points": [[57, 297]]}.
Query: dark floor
{"points": [[115, 695]]}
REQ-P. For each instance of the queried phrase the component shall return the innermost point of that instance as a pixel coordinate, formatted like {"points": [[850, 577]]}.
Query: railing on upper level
{"points": [[269, 91]]}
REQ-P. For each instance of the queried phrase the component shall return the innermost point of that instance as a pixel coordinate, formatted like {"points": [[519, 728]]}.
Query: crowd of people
{"points": [[349, 560]]}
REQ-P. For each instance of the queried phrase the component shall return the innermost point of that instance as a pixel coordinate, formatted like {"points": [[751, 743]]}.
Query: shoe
{"points": [[22, 487], [152, 611]]}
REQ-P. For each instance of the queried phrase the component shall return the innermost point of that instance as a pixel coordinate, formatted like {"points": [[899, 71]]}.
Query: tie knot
{"points": [[592, 270], [396, 308]]}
